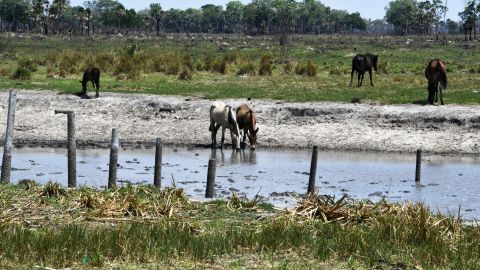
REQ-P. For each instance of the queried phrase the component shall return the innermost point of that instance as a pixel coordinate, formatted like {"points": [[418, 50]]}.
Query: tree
{"points": [[469, 18], [14, 12], [156, 14], [401, 14], [234, 16], [284, 16]]}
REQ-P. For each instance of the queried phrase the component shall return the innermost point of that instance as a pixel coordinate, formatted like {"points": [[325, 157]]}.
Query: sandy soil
{"points": [[140, 119]]}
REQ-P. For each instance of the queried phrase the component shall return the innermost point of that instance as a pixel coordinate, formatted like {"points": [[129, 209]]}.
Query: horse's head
{"points": [[375, 62], [252, 137]]}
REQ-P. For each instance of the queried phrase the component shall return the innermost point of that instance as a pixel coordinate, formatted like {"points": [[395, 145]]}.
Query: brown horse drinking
{"points": [[91, 74], [362, 63], [436, 76], [247, 121]]}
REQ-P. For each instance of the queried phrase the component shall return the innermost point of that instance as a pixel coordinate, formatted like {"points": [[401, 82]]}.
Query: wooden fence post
{"points": [[418, 168], [7, 150], [210, 190], [157, 179], [112, 172], [313, 171], [72, 148]]}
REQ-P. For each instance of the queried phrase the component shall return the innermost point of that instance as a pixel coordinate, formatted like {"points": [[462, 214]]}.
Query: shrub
{"points": [[265, 66], [21, 73], [188, 61], [185, 73], [27, 63], [208, 61], [231, 58], [172, 67], [288, 68], [335, 70], [220, 66], [247, 69], [382, 67], [308, 69], [5, 71]]}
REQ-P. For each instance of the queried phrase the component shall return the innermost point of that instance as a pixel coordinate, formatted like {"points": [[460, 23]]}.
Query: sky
{"points": [[370, 9]]}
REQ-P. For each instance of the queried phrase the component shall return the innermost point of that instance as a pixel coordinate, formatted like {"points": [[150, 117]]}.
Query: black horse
{"points": [[362, 63], [91, 74]]}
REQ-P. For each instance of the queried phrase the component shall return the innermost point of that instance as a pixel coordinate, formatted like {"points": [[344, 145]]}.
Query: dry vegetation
{"points": [[52, 226]]}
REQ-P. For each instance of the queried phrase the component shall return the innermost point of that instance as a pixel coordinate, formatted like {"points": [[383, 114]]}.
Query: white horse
{"points": [[222, 115]]}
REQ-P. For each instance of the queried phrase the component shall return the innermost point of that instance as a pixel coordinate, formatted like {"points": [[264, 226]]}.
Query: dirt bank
{"points": [[184, 121]]}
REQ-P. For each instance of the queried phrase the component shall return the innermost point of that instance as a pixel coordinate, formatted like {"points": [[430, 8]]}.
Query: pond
{"points": [[278, 175]]}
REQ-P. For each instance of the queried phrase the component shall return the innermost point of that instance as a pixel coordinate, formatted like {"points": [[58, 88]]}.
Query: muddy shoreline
{"points": [[183, 121]]}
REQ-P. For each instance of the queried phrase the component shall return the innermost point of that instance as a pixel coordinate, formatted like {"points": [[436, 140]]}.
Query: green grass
{"points": [[80, 228], [146, 65]]}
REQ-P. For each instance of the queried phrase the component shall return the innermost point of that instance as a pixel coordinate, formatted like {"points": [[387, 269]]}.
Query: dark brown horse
{"points": [[436, 76], [362, 63], [247, 121], [91, 74]]}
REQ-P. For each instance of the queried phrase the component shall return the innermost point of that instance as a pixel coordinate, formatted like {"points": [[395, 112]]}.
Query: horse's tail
{"points": [[232, 120], [443, 75], [212, 123]]}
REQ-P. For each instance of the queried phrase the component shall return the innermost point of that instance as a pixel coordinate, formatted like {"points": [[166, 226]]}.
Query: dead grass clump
{"points": [[238, 203], [70, 62], [6, 71], [52, 189], [28, 63], [220, 66], [105, 62], [335, 70], [307, 69], [247, 68], [208, 61], [231, 58], [28, 184], [185, 74], [265, 68], [382, 67], [288, 67]]}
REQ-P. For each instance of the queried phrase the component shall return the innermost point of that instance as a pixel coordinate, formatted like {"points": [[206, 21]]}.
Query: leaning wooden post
{"points": [[210, 190], [418, 169], [72, 148], [7, 150], [313, 171], [112, 172], [157, 179]]}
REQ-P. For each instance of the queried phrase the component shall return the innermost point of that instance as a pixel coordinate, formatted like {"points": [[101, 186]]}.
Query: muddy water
{"points": [[277, 175]]}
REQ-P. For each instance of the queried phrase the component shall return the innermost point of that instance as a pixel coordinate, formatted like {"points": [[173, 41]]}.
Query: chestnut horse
{"points": [[247, 121], [437, 80], [362, 63], [223, 116]]}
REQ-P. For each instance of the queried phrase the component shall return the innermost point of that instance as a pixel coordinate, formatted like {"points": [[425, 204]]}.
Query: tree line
{"points": [[257, 17]]}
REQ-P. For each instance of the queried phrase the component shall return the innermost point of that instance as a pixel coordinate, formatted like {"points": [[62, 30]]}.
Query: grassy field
{"points": [[218, 67], [140, 227]]}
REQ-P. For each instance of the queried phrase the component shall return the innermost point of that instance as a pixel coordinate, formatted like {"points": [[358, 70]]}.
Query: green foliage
{"points": [[27, 63], [21, 73]]}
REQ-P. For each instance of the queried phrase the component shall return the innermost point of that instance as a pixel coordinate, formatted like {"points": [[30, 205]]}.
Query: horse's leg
{"points": [[97, 88], [358, 79], [361, 81], [351, 78], [436, 92], [371, 81], [223, 137], [441, 96]]}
